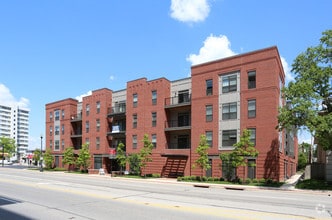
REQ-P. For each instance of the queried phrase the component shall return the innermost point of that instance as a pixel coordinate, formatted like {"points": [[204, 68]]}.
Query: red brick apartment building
{"points": [[220, 99]]}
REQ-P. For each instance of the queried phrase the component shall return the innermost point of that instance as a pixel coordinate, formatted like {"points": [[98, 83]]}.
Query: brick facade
{"points": [[175, 114]]}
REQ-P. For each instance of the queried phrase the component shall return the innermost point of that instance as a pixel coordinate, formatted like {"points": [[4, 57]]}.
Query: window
{"points": [[87, 141], [251, 168], [228, 171], [229, 111], [135, 99], [97, 143], [51, 130], [98, 124], [134, 141], [56, 145], [51, 116], [57, 130], [183, 96], [57, 115], [63, 114], [252, 135], [134, 120], [51, 144], [183, 119], [209, 87], [228, 138], [251, 79], [62, 144], [154, 140], [154, 119], [154, 97], [87, 109], [98, 107], [208, 113], [97, 162], [208, 135], [62, 129], [87, 126], [252, 108], [229, 83]]}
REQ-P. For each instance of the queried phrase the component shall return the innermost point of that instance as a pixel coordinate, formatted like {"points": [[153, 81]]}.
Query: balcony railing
{"points": [[177, 123], [183, 99], [76, 117], [178, 146], [117, 109]]}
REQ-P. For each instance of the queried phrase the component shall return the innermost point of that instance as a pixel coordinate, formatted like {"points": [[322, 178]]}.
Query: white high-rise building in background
{"points": [[14, 123]]}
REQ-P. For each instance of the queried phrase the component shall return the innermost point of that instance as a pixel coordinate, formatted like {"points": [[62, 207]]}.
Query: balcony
{"points": [[117, 109], [180, 100], [76, 134], [173, 125], [117, 130], [75, 118]]}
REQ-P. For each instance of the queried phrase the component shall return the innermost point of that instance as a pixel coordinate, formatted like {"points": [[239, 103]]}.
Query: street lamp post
{"points": [[41, 153]]}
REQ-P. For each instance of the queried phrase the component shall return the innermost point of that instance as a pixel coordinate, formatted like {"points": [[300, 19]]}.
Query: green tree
{"points": [[309, 101], [145, 153], [36, 156], [134, 164], [83, 159], [69, 158], [203, 159], [48, 158], [121, 155], [244, 149], [302, 161], [8, 144]]}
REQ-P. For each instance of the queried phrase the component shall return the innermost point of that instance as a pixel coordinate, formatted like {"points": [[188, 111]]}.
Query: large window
{"points": [[252, 135], [252, 108], [56, 145], [208, 113], [57, 130], [87, 109], [98, 107], [57, 115], [183, 96], [209, 87], [251, 168], [154, 119], [154, 97], [251, 79], [98, 124], [154, 140], [208, 135], [134, 120], [134, 141], [228, 138], [62, 129], [97, 143], [87, 126], [229, 111], [229, 83], [97, 162], [135, 99]]}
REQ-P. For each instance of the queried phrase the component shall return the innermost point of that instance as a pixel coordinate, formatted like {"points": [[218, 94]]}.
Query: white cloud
{"points": [[215, 47], [287, 70], [6, 98], [190, 10], [80, 97], [112, 78]]}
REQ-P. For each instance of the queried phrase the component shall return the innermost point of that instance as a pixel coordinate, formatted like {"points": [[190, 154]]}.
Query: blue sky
{"points": [[52, 50]]}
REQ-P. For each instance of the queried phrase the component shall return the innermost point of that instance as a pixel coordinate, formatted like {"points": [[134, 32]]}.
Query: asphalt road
{"points": [[26, 194]]}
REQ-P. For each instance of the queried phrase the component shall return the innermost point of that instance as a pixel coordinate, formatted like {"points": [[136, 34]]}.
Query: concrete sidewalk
{"points": [[291, 182]]}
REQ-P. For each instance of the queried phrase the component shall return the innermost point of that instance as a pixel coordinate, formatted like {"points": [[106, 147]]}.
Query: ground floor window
{"points": [[252, 169], [228, 171], [97, 163]]}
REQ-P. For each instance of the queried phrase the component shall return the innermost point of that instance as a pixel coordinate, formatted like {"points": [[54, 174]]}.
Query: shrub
{"points": [[211, 179], [222, 179], [255, 180]]}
